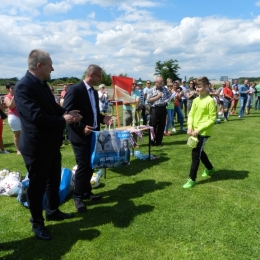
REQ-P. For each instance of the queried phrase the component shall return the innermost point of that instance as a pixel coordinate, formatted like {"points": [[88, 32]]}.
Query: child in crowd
{"points": [[200, 121], [235, 100]]}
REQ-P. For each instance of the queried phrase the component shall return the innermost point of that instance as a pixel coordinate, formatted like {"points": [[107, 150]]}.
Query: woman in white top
{"points": [[235, 100], [250, 98]]}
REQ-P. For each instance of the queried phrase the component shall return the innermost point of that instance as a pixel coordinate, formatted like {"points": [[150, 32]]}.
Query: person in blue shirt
{"points": [[243, 94]]}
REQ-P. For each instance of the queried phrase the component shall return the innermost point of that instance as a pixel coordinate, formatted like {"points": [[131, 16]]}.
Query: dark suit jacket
{"points": [[77, 98], [41, 117]]}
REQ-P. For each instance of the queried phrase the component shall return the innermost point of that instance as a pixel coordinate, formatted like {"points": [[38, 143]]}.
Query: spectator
{"points": [[257, 96], [250, 95], [56, 97], [183, 103], [146, 104], [234, 100], [235, 84], [158, 96], [1, 132], [13, 118], [221, 100], [227, 98], [243, 93], [141, 103], [103, 98], [191, 95], [170, 112], [177, 108], [64, 91]]}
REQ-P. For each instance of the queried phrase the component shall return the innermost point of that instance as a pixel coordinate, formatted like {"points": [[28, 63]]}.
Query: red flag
{"points": [[123, 82]]}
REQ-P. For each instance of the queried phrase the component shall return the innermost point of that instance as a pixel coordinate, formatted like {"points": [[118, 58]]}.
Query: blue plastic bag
{"points": [[63, 191]]}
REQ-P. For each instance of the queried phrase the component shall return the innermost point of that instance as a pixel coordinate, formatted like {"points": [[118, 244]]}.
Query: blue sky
{"points": [[211, 38]]}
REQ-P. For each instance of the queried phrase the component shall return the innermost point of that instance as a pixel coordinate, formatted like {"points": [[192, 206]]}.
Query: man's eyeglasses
{"points": [[191, 83], [148, 83]]}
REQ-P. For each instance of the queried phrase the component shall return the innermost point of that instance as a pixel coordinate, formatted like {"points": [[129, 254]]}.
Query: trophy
{"points": [[123, 95], [134, 105]]}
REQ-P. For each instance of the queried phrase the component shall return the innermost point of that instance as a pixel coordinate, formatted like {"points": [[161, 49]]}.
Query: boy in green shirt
{"points": [[201, 119]]}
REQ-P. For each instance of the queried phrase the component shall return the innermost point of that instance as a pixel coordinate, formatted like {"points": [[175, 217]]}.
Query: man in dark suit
{"points": [[84, 97], [43, 121]]}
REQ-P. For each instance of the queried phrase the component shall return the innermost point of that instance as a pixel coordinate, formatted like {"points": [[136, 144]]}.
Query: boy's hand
{"points": [[195, 133], [189, 131]]}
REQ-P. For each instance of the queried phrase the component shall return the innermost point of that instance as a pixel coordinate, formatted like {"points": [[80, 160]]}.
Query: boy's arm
{"points": [[212, 116], [191, 118]]}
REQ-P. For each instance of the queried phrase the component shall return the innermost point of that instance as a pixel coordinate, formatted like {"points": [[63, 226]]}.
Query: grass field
{"points": [[145, 213]]}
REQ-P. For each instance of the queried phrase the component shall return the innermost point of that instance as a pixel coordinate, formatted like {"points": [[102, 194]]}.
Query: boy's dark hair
{"points": [[203, 81], [9, 84]]}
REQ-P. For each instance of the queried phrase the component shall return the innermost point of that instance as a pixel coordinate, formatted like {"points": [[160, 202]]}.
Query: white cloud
{"points": [[131, 53], [23, 6], [257, 3], [92, 15], [131, 43], [60, 7], [145, 3]]}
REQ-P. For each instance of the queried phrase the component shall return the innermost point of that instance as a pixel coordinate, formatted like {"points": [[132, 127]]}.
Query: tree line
{"points": [[166, 69]]}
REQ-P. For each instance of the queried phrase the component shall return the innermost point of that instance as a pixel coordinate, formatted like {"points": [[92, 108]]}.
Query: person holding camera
{"points": [[158, 97], [13, 118], [103, 98]]}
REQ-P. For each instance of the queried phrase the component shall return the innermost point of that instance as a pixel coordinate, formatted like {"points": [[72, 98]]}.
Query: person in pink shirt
{"points": [[13, 118], [2, 148], [63, 92]]}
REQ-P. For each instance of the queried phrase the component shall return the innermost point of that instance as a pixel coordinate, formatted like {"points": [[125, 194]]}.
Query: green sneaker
{"points": [[189, 184], [208, 172]]}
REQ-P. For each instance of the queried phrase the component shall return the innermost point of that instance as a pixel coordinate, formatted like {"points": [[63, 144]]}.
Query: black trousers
{"points": [[144, 116], [84, 172], [198, 155], [157, 121], [44, 174]]}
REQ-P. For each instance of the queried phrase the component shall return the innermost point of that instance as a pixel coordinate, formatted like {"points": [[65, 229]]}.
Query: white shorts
{"points": [[14, 122]]}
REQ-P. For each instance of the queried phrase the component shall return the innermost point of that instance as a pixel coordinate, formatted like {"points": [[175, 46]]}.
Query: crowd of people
{"points": [[38, 119], [164, 104]]}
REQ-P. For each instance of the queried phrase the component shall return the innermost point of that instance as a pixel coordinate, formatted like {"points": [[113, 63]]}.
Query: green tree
{"points": [[190, 78], [122, 75], [167, 69]]}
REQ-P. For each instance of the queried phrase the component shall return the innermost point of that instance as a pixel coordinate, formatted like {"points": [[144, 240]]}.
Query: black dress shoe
{"points": [[91, 196], [41, 232], [79, 205], [58, 215]]}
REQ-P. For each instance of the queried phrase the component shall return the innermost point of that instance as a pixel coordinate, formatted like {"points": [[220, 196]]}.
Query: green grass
{"points": [[145, 213]]}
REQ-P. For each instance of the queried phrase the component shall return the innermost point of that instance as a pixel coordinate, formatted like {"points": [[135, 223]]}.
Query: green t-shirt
{"points": [[257, 87], [202, 116], [136, 94], [170, 105]]}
